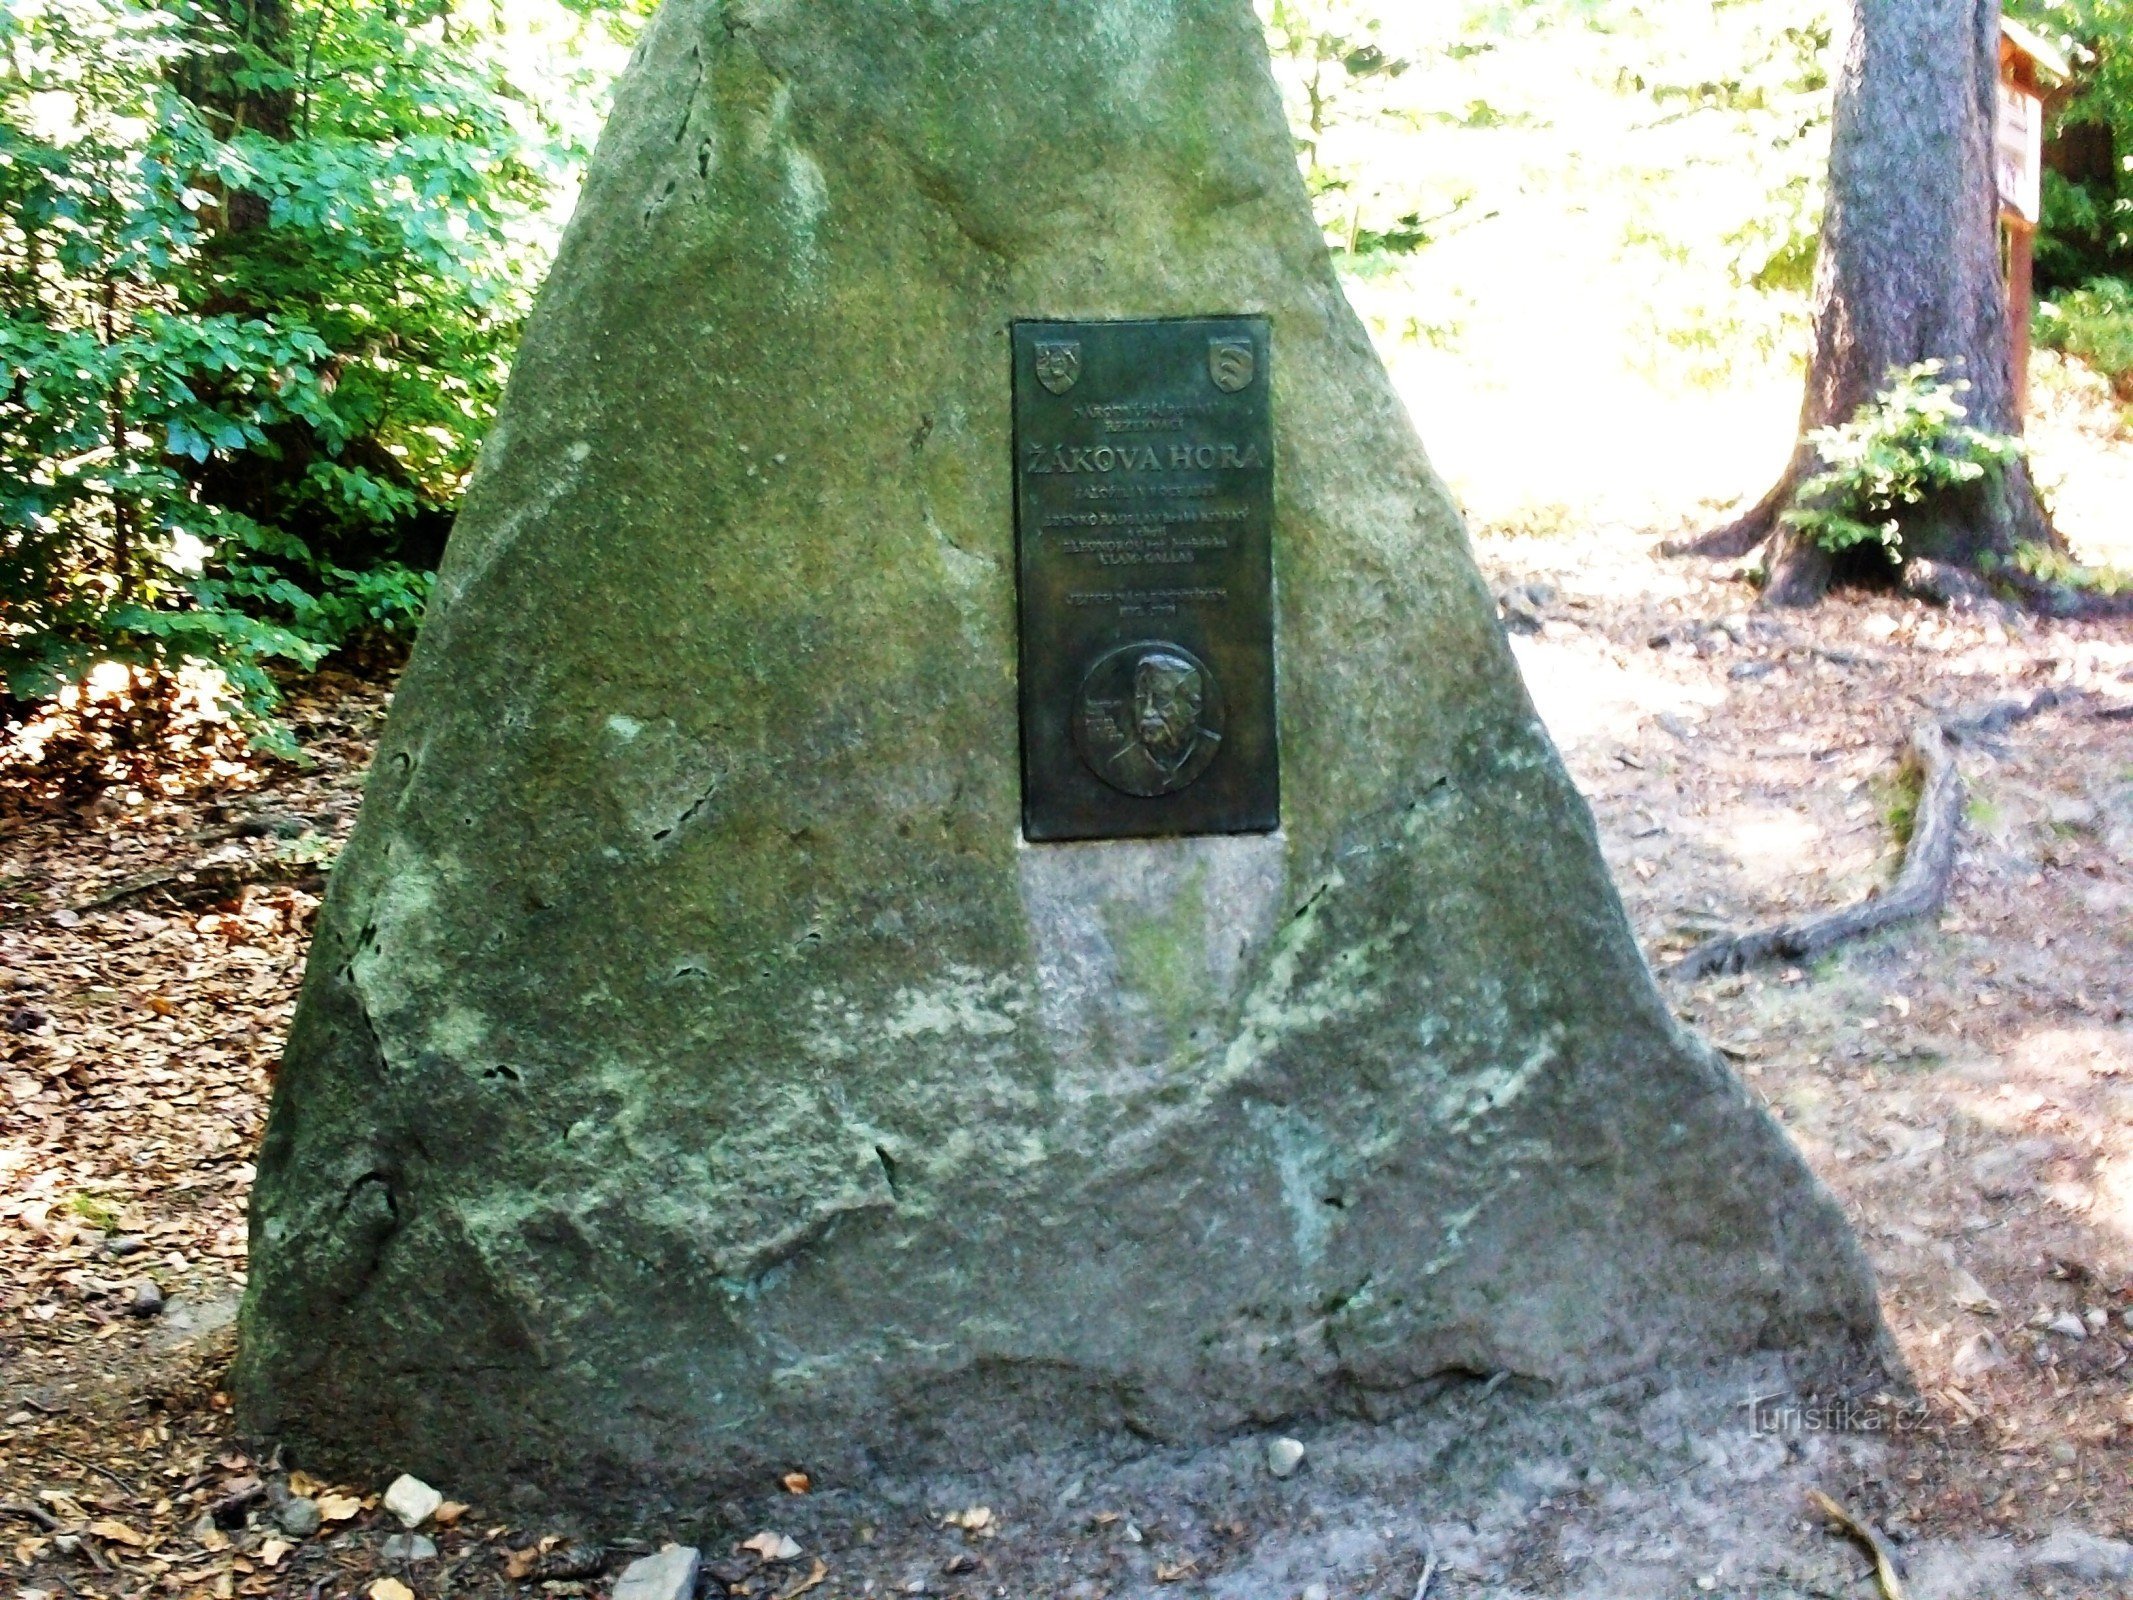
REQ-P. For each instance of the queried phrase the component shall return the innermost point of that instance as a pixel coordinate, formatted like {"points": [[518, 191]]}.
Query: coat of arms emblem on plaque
{"points": [[1231, 363], [1058, 364]]}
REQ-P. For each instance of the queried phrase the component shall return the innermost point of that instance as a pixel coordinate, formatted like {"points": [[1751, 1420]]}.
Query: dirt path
{"points": [[1966, 1087]]}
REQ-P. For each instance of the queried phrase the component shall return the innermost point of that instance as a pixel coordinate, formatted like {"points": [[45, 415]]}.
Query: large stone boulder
{"points": [[698, 1073]]}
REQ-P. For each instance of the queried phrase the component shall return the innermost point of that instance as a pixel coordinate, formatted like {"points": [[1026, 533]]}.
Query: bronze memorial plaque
{"points": [[1144, 531]]}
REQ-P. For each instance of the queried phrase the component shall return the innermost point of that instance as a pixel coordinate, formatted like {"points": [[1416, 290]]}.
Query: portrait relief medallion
{"points": [[1149, 718], [1231, 363], [1058, 364]]}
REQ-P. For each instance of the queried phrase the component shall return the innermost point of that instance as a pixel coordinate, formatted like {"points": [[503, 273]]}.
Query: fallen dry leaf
{"points": [[338, 1507], [390, 1589], [272, 1551], [1176, 1573], [447, 1514], [118, 1533], [976, 1520], [820, 1572], [520, 1563], [64, 1506], [797, 1482], [302, 1483], [772, 1546]]}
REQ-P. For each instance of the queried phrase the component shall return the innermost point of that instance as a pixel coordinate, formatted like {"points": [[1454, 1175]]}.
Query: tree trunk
{"points": [[242, 82], [247, 90], [1909, 271]]}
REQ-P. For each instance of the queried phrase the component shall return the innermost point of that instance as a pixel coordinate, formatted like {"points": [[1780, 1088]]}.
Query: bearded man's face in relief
{"points": [[1166, 705]]}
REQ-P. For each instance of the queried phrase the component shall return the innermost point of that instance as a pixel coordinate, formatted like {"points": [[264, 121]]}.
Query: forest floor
{"points": [[1964, 1085]]}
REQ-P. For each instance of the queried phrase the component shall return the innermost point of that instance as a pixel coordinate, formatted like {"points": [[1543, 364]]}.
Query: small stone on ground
{"points": [[669, 1575], [299, 1517], [411, 1500]]}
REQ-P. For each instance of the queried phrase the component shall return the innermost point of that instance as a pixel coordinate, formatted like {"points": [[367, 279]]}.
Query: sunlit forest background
{"points": [[265, 263]]}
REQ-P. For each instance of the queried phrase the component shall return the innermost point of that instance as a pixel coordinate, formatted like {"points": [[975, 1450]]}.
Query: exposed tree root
{"points": [[1800, 573], [1743, 535], [205, 883], [1888, 1565], [2064, 601], [1799, 570], [1921, 887]]}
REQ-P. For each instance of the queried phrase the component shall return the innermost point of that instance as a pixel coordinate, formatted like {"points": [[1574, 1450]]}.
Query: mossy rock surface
{"points": [[696, 1072]]}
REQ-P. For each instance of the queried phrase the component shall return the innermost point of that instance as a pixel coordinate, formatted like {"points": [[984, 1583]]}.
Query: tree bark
{"points": [[235, 100], [121, 503], [1908, 271]]}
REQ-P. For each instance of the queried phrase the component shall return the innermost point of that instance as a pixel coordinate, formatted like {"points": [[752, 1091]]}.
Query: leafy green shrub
{"points": [[1907, 442], [2086, 230], [261, 271], [2095, 324]]}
